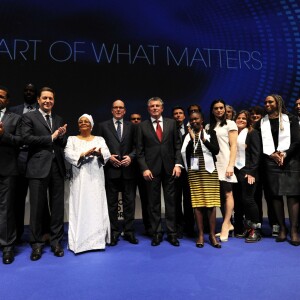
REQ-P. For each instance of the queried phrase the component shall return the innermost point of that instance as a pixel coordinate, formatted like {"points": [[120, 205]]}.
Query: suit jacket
{"points": [[124, 147], [37, 135], [9, 144], [23, 153], [253, 153], [18, 109], [152, 154]]}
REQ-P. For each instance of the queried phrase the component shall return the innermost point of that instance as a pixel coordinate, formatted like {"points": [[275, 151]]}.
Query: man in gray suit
{"points": [[10, 140]]}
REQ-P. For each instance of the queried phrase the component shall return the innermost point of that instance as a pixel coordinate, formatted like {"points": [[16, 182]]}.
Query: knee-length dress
{"points": [[89, 226]]}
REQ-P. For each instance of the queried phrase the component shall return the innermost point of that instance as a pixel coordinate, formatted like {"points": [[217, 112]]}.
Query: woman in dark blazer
{"points": [[246, 171]]}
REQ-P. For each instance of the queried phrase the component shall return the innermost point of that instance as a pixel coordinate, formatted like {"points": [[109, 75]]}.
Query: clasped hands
{"points": [[124, 162], [278, 157], [92, 152], [59, 132]]}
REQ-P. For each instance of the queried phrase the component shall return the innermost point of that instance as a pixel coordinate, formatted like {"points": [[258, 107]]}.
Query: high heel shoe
{"points": [[213, 242], [230, 231], [200, 244], [282, 236], [224, 238], [295, 243]]}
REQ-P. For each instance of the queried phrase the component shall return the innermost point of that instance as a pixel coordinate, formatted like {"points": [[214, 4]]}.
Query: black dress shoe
{"points": [[173, 240], [36, 254], [130, 237], [8, 257], [156, 240], [114, 239], [58, 250]]}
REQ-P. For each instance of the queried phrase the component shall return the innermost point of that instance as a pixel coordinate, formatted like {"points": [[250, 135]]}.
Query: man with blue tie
{"points": [[120, 171]]}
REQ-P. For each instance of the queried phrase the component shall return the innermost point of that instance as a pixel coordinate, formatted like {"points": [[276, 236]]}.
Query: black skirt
{"points": [[284, 180]]}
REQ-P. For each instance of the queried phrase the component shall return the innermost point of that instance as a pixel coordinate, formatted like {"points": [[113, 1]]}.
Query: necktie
{"points": [[158, 131], [119, 132], [29, 107], [1, 114], [48, 121]]}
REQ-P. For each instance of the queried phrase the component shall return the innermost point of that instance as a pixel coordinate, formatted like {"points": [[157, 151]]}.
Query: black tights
{"points": [[211, 213], [293, 208]]}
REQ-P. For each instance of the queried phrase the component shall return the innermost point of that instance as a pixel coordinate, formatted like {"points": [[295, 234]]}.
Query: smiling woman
{"points": [[246, 171], [281, 141], [89, 223]]}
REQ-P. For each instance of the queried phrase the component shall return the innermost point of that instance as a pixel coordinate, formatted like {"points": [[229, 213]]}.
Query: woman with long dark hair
{"points": [[281, 140], [226, 131]]}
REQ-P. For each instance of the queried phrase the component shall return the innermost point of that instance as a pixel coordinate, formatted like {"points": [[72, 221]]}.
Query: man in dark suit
{"points": [[119, 171], [44, 133], [30, 104], [159, 157], [10, 140], [184, 219]]}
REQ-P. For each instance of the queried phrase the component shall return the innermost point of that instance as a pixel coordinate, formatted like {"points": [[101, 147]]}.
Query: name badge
{"points": [[194, 163]]}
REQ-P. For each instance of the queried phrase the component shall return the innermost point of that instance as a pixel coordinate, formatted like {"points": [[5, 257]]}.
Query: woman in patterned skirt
{"points": [[198, 152]]}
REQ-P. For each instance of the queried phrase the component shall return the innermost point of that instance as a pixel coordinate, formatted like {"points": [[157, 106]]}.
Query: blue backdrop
{"points": [[93, 52]]}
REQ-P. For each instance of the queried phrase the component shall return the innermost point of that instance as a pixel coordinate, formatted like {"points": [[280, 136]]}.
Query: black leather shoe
{"points": [[114, 239], [8, 257], [156, 240], [130, 237], [36, 254], [58, 250], [214, 242], [173, 240]]}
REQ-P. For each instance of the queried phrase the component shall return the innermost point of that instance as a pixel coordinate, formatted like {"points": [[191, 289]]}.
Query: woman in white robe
{"points": [[89, 226]]}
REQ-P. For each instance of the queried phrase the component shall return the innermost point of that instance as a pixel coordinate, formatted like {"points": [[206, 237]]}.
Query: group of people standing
{"points": [[200, 167]]}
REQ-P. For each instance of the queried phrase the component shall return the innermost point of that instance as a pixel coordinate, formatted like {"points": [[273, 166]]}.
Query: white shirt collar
{"points": [[160, 119]]}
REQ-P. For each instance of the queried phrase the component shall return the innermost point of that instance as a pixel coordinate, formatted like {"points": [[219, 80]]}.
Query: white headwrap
{"points": [[89, 117]]}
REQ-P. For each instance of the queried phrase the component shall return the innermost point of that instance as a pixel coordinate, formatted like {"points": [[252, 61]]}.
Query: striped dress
{"points": [[204, 186]]}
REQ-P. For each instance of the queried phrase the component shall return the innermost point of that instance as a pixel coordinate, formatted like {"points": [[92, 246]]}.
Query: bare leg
{"points": [[226, 226]]}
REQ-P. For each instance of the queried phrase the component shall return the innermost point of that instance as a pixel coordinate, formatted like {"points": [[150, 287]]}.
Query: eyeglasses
{"points": [[132, 119], [118, 107]]}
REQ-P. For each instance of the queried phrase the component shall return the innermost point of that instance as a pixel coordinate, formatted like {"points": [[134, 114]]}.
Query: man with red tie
{"points": [[159, 158]]}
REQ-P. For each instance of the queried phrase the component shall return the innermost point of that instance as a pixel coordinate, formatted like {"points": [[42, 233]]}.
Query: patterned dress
{"points": [[204, 186]]}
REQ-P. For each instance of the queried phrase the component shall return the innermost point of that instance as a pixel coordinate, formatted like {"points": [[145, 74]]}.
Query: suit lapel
{"points": [[5, 117], [152, 130], [111, 127], [166, 129], [41, 119]]}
